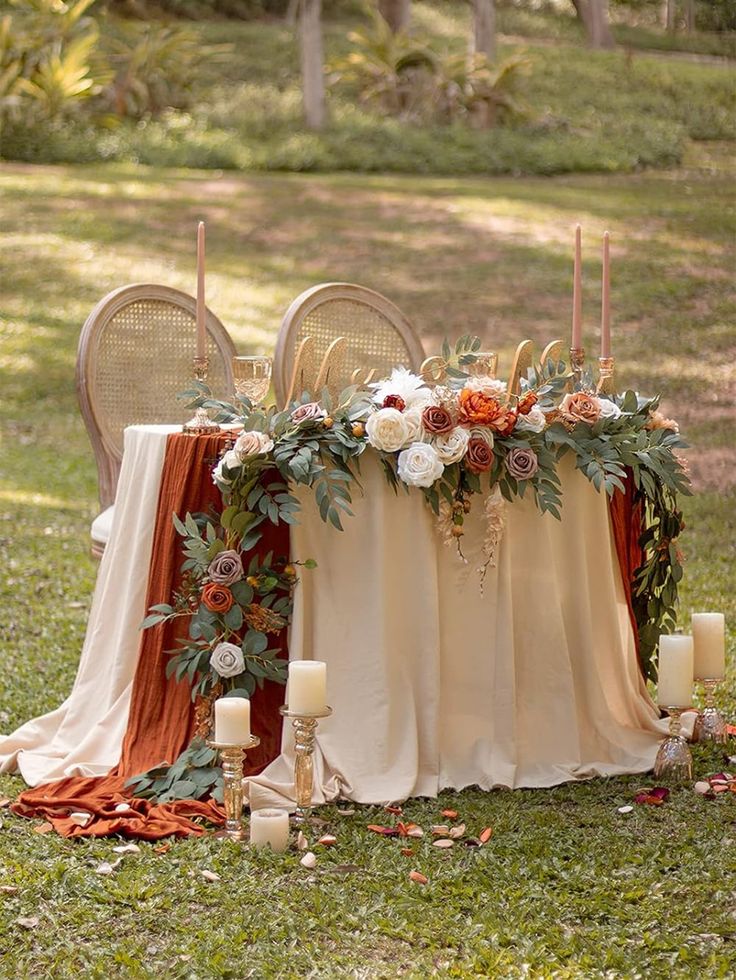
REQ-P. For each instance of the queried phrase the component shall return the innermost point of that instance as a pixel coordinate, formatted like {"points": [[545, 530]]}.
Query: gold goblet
{"points": [[252, 377]]}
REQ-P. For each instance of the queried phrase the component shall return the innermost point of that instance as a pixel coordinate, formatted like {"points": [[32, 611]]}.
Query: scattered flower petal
{"points": [[450, 814], [485, 835], [4, 802], [407, 851], [440, 830], [472, 842], [414, 830], [43, 828], [209, 875], [348, 812], [702, 787], [80, 818], [301, 841], [8, 890], [652, 797], [162, 849], [385, 831], [327, 840], [625, 809], [127, 849], [443, 842], [29, 923], [106, 868], [309, 860], [457, 831], [418, 877], [397, 810]]}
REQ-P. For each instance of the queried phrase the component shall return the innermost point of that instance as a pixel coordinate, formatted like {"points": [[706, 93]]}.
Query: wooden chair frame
{"points": [[317, 296], [106, 439]]}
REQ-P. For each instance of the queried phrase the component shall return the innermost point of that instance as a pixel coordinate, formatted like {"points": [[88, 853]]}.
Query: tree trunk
{"points": [[690, 16], [594, 15], [670, 13], [313, 81], [484, 28], [396, 13]]}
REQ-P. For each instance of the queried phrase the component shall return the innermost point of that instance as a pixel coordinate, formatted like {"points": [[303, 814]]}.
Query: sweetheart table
{"points": [[434, 683]]}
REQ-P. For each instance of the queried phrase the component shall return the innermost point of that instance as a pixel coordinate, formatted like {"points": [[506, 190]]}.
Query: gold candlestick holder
{"points": [[200, 423], [710, 725], [577, 366], [233, 756], [305, 728], [674, 761], [606, 383]]}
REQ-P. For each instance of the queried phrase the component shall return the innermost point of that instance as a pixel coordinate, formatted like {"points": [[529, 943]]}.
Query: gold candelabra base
{"points": [[305, 729], [710, 725], [200, 423], [674, 761], [232, 757]]}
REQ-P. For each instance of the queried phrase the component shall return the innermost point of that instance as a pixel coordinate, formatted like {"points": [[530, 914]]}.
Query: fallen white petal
{"points": [[127, 849], [625, 809], [309, 860], [80, 818], [702, 787], [210, 875]]}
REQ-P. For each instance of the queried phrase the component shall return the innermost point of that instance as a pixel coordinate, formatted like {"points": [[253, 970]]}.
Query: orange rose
{"points": [[217, 598], [527, 403], [580, 407]]}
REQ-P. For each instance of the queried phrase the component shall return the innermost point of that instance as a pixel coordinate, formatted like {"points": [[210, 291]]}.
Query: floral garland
{"points": [[454, 441]]}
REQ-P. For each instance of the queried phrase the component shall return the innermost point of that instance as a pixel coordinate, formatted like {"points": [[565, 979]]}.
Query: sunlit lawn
{"points": [[568, 887]]}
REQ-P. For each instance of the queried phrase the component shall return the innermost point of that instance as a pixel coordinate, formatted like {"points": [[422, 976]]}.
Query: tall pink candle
{"points": [[201, 316], [606, 299], [577, 294]]}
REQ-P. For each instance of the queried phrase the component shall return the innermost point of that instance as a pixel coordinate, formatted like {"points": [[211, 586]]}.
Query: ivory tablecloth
{"points": [[433, 684]]}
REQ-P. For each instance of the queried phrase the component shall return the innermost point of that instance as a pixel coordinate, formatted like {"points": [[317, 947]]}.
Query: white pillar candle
{"points": [[232, 721], [270, 827], [675, 683], [307, 686], [709, 639]]}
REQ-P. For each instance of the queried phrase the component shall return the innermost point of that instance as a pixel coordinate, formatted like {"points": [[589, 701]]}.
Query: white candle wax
{"points": [[270, 827], [232, 721], [709, 639], [201, 314], [307, 686], [577, 292], [675, 683]]}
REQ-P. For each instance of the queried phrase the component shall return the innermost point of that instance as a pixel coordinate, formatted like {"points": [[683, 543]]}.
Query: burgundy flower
{"points": [[479, 457], [394, 401]]}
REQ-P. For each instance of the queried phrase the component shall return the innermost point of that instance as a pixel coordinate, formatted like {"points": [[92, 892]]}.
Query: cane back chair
{"points": [[134, 356], [377, 337]]}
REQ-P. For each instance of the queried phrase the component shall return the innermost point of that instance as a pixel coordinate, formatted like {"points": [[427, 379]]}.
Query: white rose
{"points": [[420, 465], [609, 409], [534, 421], [227, 660], [487, 385], [413, 419], [251, 444], [387, 430], [451, 447], [232, 461], [218, 476]]}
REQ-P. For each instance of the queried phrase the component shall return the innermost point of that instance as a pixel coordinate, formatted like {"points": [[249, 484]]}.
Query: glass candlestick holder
{"points": [[577, 366], [200, 423], [232, 757], [674, 761], [606, 381], [710, 725], [305, 729]]}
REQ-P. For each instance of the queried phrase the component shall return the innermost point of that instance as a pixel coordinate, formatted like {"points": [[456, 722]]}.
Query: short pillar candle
{"points": [[232, 721], [307, 693], [270, 827], [675, 671], [709, 641]]}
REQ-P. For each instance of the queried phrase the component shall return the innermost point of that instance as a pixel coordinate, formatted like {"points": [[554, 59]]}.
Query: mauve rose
{"points": [[522, 464], [225, 568], [479, 457], [580, 407], [309, 412], [437, 420]]}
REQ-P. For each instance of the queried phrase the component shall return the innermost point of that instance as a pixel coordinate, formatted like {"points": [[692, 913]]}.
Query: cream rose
{"points": [[414, 427], [387, 430], [534, 421], [452, 446], [609, 409], [252, 444], [419, 465], [487, 385], [227, 660]]}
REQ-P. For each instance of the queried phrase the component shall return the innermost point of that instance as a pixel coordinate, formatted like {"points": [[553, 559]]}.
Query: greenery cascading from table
{"points": [[464, 439]]}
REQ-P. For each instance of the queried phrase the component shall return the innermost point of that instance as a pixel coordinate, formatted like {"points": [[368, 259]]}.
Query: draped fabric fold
{"points": [[627, 524], [161, 717]]}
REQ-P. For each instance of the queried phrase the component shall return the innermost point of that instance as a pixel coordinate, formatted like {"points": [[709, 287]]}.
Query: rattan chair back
{"points": [[134, 356], [377, 336]]}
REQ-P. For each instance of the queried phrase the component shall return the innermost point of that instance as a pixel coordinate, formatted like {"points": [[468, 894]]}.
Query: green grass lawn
{"points": [[567, 887]]}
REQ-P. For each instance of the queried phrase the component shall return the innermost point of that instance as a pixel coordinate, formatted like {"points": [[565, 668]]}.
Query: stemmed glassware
{"points": [[484, 365], [252, 377]]}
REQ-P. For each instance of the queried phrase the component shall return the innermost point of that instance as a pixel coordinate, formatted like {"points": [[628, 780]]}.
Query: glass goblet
{"points": [[484, 365], [252, 377]]}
